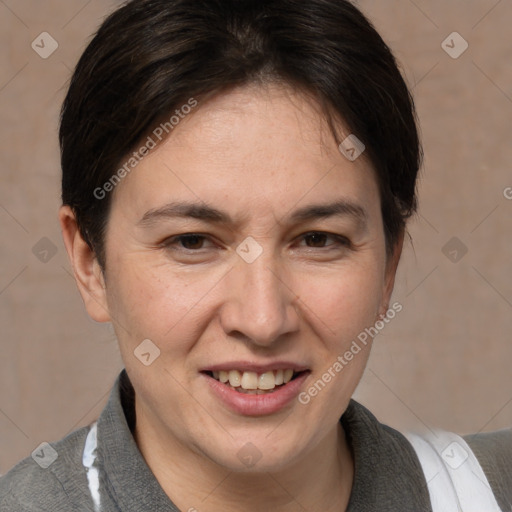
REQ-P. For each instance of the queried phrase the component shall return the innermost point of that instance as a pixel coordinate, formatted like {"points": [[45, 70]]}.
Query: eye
{"points": [[188, 242], [319, 240]]}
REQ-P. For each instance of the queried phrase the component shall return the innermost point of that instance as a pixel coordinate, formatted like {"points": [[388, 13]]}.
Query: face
{"points": [[246, 247]]}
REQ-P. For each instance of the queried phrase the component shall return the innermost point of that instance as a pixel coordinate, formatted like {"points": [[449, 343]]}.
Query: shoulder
{"points": [[26, 488], [388, 474], [493, 447], [51, 479], [494, 453]]}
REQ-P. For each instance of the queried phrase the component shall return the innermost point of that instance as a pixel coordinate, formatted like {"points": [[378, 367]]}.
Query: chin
{"points": [[255, 454]]}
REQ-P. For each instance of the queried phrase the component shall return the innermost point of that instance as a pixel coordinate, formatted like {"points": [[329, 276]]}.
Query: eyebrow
{"points": [[340, 208]]}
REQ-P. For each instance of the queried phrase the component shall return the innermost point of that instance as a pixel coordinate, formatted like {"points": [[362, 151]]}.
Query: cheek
{"points": [[159, 303], [345, 303]]}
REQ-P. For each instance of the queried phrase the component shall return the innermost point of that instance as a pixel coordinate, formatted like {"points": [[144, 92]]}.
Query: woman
{"points": [[237, 176]]}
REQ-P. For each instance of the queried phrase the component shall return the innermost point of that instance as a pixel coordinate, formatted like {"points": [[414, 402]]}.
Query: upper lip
{"points": [[248, 366]]}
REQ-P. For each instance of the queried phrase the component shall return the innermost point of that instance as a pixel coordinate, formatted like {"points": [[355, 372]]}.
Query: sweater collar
{"points": [[387, 473], [128, 479]]}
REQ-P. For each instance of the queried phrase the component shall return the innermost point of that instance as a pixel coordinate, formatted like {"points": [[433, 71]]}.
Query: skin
{"points": [[259, 154]]}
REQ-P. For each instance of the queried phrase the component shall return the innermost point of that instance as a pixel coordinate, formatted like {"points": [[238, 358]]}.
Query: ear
{"points": [[391, 267], [88, 273]]}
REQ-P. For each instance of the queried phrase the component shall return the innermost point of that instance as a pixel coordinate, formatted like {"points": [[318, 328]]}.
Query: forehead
{"points": [[271, 121], [255, 147]]}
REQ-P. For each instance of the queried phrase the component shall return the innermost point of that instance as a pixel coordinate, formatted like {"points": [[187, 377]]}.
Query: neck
{"points": [[320, 481]]}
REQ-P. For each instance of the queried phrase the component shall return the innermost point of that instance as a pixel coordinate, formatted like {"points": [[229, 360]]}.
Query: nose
{"points": [[261, 307]]}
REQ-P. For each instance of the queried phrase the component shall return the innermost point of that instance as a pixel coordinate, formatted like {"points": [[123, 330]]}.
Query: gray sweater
{"points": [[388, 476]]}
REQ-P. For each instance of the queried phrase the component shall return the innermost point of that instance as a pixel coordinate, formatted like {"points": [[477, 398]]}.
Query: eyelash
{"points": [[172, 242]]}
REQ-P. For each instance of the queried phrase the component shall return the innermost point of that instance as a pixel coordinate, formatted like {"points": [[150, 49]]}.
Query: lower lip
{"points": [[257, 405]]}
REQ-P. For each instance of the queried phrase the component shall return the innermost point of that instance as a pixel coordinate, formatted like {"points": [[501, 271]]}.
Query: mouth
{"points": [[251, 389], [254, 383]]}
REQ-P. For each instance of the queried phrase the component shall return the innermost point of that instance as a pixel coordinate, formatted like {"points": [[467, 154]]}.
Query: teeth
{"points": [[251, 391], [249, 380], [288, 374], [252, 382], [235, 378], [267, 381]]}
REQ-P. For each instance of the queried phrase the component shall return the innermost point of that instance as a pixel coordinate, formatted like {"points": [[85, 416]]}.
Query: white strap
{"points": [[88, 459], [456, 481]]}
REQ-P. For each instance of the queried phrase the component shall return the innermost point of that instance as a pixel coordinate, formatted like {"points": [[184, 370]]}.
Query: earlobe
{"points": [[87, 271]]}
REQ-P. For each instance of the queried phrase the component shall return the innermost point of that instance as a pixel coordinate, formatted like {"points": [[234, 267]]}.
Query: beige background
{"points": [[444, 361]]}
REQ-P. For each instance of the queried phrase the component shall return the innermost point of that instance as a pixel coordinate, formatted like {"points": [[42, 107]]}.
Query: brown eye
{"points": [[186, 242], [316, 239], [191, 242], [321, 240]]}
